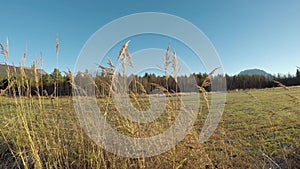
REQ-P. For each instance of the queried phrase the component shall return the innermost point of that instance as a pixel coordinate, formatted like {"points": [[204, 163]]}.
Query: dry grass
{"points": [[281, 85], [259, 133], [175, 66], [206, 83], [124, 55], [4, 51], [108, 71], [167, 61]]}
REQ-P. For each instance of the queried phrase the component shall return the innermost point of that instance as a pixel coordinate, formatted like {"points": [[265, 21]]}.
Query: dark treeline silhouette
{"points": [[258, 81], [149, 81], [49, 83], [46, 85]]}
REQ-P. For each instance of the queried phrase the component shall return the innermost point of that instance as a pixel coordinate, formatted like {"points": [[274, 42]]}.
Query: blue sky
{"points": [[246, 34]]}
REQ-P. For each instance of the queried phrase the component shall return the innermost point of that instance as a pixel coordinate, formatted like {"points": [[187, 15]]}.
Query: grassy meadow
{"points": [[259, 129]]}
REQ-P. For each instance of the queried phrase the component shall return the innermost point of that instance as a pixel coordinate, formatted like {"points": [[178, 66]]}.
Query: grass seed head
{"points": [[167, 61], [4, 51], [56, 44], [41, 60], [207, 80], [110, 63], [175, 66]]}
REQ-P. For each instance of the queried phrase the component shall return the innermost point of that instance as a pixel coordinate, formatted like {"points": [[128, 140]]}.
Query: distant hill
{"points": [[256, 72], [28, 71]]}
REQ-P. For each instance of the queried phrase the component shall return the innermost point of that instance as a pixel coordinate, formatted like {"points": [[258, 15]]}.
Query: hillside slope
{"points": [[260, 72], [28, 71]]}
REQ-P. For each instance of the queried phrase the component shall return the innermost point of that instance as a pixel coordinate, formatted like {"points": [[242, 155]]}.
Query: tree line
{"points": [[58, 83]]}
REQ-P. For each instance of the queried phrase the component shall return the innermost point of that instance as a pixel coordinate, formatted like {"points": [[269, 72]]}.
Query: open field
{"points": [[259, 129]]}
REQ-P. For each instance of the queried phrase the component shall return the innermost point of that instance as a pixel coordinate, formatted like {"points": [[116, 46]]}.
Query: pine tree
{"points": [[298, 77]]}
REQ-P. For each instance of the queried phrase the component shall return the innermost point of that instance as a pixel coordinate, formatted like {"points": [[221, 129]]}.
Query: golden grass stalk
{"points": [[56, 81], [110, 63], [204, 94], [175, 66], [24, 80], [4, 51], [41, 64], [207, 80], [108, 71], [281, 85], [161, 88], [293, 97], [206, 83], [5, 54], [57, 44], [286, 88], [35, 72], [124, 53], [7, 46], [24, 56], [41, 61], [141, 87], [22, 71], [69, 75], [167, 62]]}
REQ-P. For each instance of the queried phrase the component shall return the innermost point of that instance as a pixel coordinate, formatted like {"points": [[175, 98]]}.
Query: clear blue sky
{"points": [[246, 34]]}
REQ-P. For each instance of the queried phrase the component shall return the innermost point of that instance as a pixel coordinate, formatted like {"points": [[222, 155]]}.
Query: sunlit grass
{"points": [[259, 128]]}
